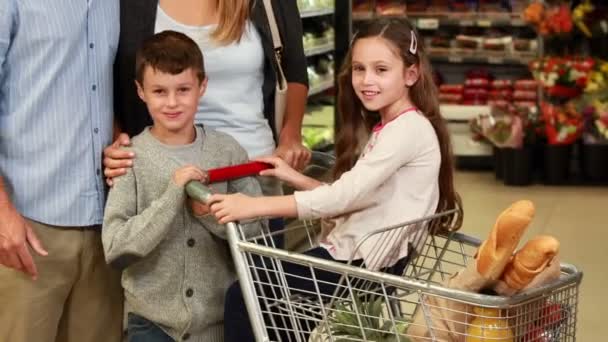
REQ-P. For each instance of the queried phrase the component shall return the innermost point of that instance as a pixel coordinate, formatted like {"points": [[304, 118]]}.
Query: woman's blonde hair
{"points": [[233, 15]]}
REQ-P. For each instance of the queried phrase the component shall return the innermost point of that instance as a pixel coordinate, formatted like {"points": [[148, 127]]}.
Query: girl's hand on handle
{"points": [[233, 207], [116, 161], [287, 174], [280, 170], [188, 173]]}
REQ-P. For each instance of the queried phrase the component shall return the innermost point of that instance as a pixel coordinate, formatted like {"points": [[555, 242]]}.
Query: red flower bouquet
{"points": [[562, 77], [563, 124]]}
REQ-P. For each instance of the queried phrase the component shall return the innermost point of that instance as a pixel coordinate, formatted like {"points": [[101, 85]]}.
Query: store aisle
{"points": [[577, 216]]}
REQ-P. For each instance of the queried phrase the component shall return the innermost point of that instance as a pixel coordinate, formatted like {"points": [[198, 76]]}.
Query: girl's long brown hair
{"points": [[233, 16], [355, 119]]}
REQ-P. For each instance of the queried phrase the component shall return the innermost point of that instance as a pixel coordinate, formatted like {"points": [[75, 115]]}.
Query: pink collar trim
{"points": [[381, 125]]}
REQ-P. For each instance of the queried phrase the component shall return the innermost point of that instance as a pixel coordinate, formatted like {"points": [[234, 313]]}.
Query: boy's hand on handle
{"points": [[116, 160], [233, 207], [188, 173], [15, 237], [198, 208]]}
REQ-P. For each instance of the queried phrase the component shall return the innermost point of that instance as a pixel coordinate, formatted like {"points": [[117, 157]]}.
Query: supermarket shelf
{"points": [[363, 15], [458, 118], [321, 87], [463, 113], [432, 20], [318, 50], [456, 55], [316, 12], [463, 145]]}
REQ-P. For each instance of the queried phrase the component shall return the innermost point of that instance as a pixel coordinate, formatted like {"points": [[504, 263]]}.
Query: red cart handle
{"points": [[236, 171]]}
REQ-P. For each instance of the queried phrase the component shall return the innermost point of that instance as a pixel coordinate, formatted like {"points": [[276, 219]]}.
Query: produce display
{"points": [[312, 5]]}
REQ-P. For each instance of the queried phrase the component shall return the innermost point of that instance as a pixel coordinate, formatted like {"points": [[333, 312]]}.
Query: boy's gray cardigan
{"points": [[177, 267]]}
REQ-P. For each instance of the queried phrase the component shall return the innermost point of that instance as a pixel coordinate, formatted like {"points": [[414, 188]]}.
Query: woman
{"points": [[235, 38]]}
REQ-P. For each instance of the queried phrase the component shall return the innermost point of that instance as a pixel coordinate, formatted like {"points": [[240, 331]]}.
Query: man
{"points": [[55, 118]]}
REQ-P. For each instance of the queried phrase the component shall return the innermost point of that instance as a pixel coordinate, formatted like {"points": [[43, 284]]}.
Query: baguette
{"points": [[529, 261], [494, 253]]}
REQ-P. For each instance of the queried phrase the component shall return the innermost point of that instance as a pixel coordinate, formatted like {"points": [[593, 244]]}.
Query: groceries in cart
{"points": [[496, 268], [450, 290]]}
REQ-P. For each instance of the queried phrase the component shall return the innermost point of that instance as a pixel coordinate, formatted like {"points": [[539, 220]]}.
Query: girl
{"points": [[404, 172]]}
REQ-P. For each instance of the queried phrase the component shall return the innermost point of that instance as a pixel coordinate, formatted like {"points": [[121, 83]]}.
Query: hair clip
{"points": [[352, 39], [413, 43]]}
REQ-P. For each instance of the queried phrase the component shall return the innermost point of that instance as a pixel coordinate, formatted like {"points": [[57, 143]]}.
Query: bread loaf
{"points": [[529, 261], [494, 253]]}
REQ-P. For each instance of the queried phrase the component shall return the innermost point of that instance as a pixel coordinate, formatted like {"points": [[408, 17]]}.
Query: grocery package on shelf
{"points": [[321, 73], [480, 88], [476, 87], [382, 7], [318, 39], [393, 7], [315, 5], [318, 32], [387, 7], [450, 93]]}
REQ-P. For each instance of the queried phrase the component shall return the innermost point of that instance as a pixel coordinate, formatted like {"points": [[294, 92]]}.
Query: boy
{"points": [[176, 261]]}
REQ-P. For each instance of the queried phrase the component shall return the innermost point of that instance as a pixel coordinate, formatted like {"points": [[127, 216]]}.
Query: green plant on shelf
{"points": [[314, 137], [352, 319]]}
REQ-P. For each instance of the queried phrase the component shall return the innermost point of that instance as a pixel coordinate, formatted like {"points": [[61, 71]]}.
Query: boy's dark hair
{"points": [[169, 52]]}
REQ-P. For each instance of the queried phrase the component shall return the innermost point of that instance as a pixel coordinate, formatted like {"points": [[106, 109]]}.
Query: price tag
{"points": [[484, 23], [517, 22], [428, 23], [455, 59], [496, 60], [466, 23]]}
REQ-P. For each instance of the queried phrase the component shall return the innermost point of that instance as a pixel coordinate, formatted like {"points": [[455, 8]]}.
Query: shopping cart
{"points": [[392, 299]]}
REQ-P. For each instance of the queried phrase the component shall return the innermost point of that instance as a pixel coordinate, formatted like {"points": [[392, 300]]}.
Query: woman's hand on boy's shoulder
{"points": [[116, 160]]}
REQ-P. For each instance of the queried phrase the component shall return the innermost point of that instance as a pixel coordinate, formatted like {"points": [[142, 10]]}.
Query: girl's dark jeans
{"points": [[140, 329]]}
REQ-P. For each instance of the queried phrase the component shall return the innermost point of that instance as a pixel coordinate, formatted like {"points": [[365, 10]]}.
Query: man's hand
{"points": [[293, 152], [116, 161], [15, 237]]}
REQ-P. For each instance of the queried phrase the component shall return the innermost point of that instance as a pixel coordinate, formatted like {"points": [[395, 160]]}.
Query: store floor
{"points": [[577, 216]]}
